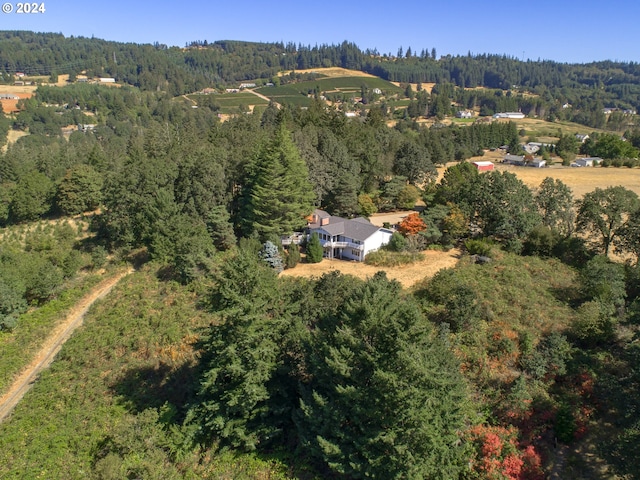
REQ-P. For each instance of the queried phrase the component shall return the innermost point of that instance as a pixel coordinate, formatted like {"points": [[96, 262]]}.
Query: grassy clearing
{"points": [[548, 131], [230, 100], [110, 405]]}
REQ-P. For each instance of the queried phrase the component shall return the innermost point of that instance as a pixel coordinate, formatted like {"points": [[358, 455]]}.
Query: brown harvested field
{"points": [[414, 86], [407, 275], [580, 180], [332, 72], [11, 106]]}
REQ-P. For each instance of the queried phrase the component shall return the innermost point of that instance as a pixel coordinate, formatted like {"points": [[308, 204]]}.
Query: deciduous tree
{"points": [[556, 206], [602, 214], [412, 224]]}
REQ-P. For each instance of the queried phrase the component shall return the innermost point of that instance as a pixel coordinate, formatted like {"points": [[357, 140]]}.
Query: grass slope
{"points": [[105, 407]]}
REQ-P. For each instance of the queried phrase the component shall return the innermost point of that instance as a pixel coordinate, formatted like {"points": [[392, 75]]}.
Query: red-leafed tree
{"points": [[412, 224]]}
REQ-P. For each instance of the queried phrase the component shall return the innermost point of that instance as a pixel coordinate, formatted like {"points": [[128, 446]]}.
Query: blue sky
{"points": [[561, 30]]}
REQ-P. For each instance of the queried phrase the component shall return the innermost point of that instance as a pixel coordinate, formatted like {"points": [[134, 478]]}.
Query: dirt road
{"points": [[53, 344]]}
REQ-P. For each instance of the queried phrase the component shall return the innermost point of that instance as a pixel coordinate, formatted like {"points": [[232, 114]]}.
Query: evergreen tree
{"points": [[293, 256], [271, 256], [277, 195], [32, 197], [241, 356], [79, 191], [385, 397], [314, 249]]}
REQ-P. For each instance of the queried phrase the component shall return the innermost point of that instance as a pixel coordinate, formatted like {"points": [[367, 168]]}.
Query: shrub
{"points": [[98, 256], [293, 256], [541, 242], [478, 247], [397, 243], [386, 258]]}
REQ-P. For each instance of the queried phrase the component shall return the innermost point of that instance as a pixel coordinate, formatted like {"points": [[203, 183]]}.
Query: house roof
{"points": [[358, 229]]}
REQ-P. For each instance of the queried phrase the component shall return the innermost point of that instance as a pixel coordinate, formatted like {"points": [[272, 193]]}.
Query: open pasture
{"points": [[580, 180]]}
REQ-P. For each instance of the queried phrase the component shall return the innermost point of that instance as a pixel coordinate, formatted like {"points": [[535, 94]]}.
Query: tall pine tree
{"points": [[277, 195]]}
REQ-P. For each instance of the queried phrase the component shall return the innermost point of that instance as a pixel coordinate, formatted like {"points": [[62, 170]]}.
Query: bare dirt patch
{"points": [[414, 86], [11, 106], [407, 275], [379, 219]]}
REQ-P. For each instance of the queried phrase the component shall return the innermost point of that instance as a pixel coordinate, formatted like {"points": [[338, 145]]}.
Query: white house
{"points": [[464, 114], [347, 239], [537, 163], [514, 159], [86, 127], [586, 162], [509, 115]]}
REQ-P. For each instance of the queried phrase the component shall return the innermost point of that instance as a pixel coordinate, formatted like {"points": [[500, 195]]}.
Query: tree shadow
{"points": [[146, 387]]}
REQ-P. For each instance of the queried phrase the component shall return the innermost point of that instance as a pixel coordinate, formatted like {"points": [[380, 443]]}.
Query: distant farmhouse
{"points": [[514, 160], [464, 114], [86, 127], [524, 161], [586, 162], [247, 85], [582, 137], [534, 147], [509, 115], [347, 239]]}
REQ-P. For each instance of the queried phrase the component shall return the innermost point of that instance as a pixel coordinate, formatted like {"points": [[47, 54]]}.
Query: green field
{"points": [[296, 94], [233, 100]]}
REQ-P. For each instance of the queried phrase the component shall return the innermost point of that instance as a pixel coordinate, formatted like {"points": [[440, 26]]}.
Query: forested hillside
{"points": [[206, 363], [588, 88]]}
